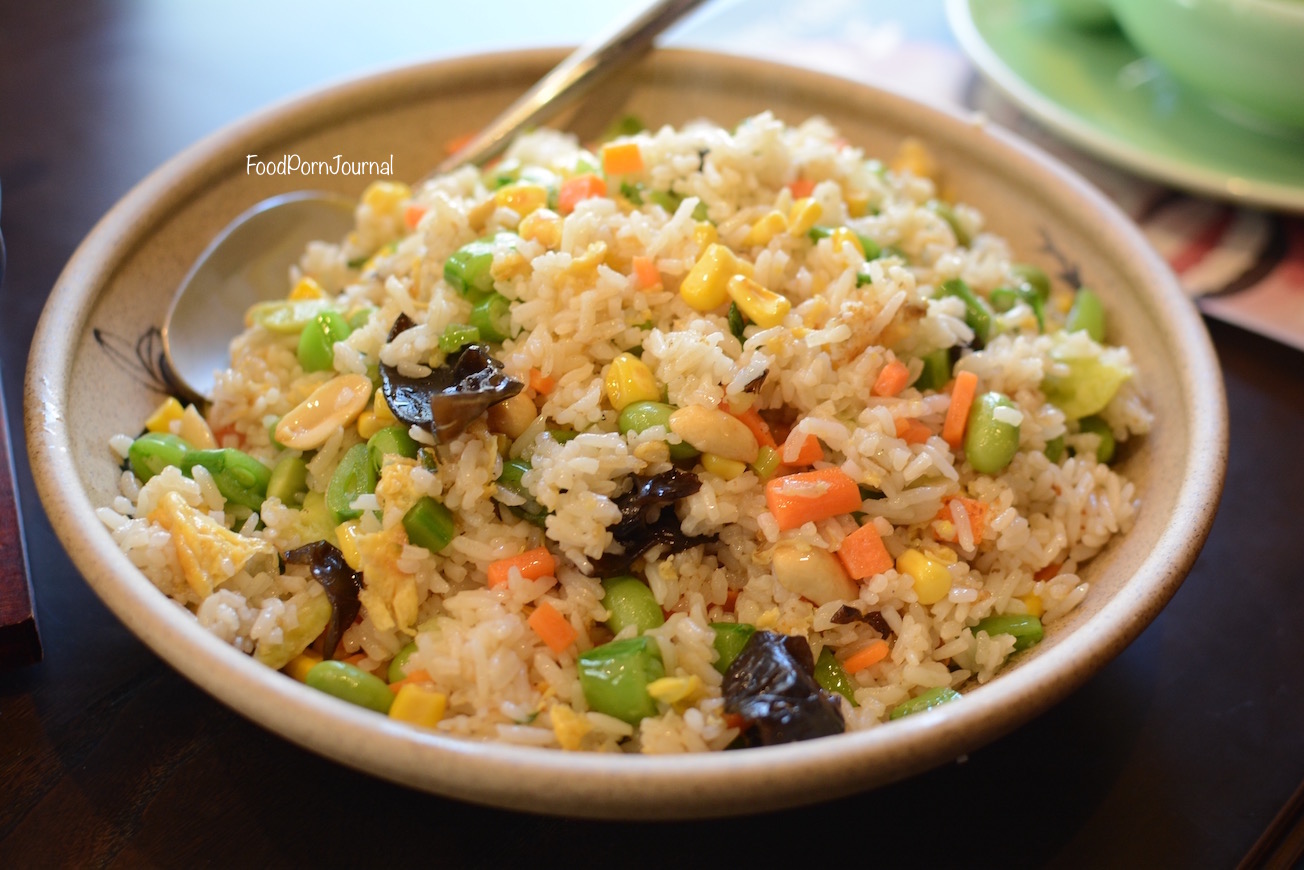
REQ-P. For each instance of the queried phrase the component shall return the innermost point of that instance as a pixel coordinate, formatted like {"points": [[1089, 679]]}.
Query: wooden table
{"points": [[1177, 754]]}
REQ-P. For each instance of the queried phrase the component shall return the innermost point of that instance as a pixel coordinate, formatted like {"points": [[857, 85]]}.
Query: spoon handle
{"points": [[627, 40]]}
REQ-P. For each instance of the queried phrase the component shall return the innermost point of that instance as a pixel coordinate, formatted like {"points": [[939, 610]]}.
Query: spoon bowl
{"points": [[248, 261]]}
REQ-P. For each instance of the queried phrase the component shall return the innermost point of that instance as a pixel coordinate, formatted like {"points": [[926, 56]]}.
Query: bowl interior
{"points": [[95, 371]]}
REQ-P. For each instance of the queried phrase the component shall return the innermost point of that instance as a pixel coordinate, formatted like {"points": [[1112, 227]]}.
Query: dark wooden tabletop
{"points": [[1177, 754]]}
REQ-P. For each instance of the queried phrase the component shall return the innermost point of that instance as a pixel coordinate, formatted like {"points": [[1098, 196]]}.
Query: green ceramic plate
{"points": [[1094, 89]]}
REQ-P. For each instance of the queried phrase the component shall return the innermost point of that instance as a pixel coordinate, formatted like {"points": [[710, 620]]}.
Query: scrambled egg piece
{"points": [[395, 488], [210, 554], [390, 595], [569, 726]]}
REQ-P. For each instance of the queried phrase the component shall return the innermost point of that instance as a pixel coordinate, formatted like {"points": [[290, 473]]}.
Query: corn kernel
{"points": [[857, 202], [569, 726], [164, 416], [522, 198], [915, 158], [672, 690], [1033, 603], [843, 236], [705, 234], [418, 705], [348, 534], [803, 215], [766, 228], [302, 663], [629, 380], [307, 288], [762, 306], [932, 580], [725, 469], [369, 424], [543, 226], [380, 408], [384, 197], [705, 285]]}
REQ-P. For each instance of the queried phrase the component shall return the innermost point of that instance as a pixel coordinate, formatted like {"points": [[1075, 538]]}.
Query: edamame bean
{"points": [[641, 416], [154, 451], [239, 477], [317, 341], [390, 441], [730, 638], [289, 480], [989, 443], [359, 318], [1087, 313], [350, 683], [1054, 449], [353, 477], [1097, 426]]}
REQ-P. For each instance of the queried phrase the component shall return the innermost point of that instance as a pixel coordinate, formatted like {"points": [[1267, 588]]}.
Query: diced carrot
{"points": [[355, 659], [796, 499], [957, 416], [809, 453], [863, 554], [752, 419], [421, 676], [457, 143], [870, 655], [413, 214], [551, 627], [734, 720], [646, 273], [912, 431], [621, 158], [892, 379], [730, 600], [541, 383], [220, 435], [581, 187], [1049, 571], [532, 564], [801, 187], [974, 509]]}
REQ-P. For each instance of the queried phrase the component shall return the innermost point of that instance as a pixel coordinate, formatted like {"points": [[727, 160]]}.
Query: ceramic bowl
{"points": [[94, 372]]}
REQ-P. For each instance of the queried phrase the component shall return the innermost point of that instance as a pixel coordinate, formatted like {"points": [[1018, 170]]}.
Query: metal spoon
{"points": [[249, 260]]}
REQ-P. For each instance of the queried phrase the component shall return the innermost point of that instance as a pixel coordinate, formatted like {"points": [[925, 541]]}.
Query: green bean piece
{"points": [[399, 664], [1087, 313], [1097, 426], [289, 480], [284, 316], [630, 602], [737, 323], [1002, 299], [350, 683], [429, 524], [457, 336], [1026, 628], [1033, 276], [730, 638], [989, 443], [360, 318], [561, 436], [239, 477], [937, 370], [947, 213], [863, 278], [614, 677], [767, 462], [391, 441], [316, 517], [830, 675], [641, 416], [632, 191], [1054, 449], [976, 312], [510, 480], [353, 477], [925, 701], [154, 451], [468, 269], [871, 248], [1029, 295], [625, 125], [492, 316], [317, 341]]}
